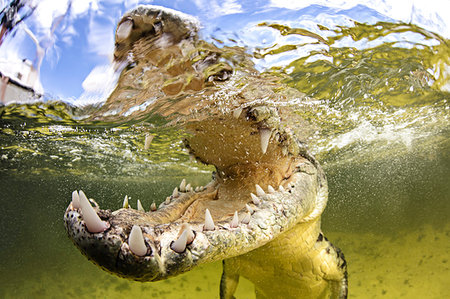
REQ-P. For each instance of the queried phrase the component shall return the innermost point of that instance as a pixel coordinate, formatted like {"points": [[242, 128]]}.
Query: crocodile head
{"points": [[265, 183]]}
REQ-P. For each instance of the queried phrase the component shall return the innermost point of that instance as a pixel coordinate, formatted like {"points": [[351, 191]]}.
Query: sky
{"points": [[78, 39]]}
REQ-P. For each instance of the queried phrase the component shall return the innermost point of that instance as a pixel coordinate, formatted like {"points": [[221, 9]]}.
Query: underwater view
{"points": [[363, 89]]}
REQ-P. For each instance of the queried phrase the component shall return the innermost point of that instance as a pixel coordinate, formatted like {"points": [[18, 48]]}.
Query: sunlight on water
{"points": [[371, 101]]}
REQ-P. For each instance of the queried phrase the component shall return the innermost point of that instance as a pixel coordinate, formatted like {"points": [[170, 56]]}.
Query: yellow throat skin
{"points": [[301, 265]]}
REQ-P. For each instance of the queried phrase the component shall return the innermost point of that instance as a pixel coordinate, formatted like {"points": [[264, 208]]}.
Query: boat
{"points": [[19, 82]]}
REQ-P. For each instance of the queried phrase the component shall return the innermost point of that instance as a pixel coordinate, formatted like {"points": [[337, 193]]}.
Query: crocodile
{"points": [[260, 213]]}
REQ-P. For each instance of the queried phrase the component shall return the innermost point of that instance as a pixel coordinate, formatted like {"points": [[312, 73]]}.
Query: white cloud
{"points": [[101, 37], [80, 7], [98, 78], [433, 15], [69, 33], [45, 13], [98, 85], [51, 13], [214, 9], [228, 7]]}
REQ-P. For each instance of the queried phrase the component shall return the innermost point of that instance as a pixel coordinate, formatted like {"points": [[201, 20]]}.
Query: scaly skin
{"points": [[276, 242], [304, 267]]}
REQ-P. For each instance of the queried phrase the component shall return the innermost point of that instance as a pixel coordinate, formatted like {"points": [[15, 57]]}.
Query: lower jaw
{"points": [[260, 217]]}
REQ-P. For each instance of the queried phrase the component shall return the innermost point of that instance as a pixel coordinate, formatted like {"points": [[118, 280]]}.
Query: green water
{"points": [[381, 135], [389, 217]]}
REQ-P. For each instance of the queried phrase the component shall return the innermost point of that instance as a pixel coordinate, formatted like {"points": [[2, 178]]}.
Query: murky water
{"points": [[378, 116]]}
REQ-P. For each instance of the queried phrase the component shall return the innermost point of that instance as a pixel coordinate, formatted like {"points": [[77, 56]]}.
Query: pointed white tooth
{"points": [[148, 141], [75, 200], [183, 186], [246, 218], [235, 221], [209, 223], [188, 188], [136, 241], [237, 112], [125, 202], [180, 244], [265, 137], [249, 209], [190, 234], [175, 192], [153, 207], [93, 222], [259, 190], [139, 206], [255, 199], [197, 189], [281, 188], [167, 200], [270, 189]]}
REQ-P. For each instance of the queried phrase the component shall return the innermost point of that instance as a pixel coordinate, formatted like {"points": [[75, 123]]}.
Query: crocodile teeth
{"points": [[125, 204], [75, 200], [93, 223], [246, 218], [209, 223], [270, 189], [190, 233], [167, 201], [259, 190], [237, 112], [197, 189], [175, 192], [188, 188], [265, 137], [136, 241], [183, 186], [249, 209], [148, 141], [139, 206], [281, 188], [180, 244], [255, 199], [235, 221], [124, 30], [153, 207]]}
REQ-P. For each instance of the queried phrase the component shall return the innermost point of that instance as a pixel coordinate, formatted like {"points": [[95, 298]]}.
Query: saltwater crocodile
{"points": [[260, 214]]}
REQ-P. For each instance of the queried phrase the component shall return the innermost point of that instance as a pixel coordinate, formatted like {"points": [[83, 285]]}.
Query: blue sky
{"points": [[84, 39]]}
